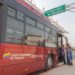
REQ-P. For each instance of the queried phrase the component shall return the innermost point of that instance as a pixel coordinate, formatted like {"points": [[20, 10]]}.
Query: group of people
{"points": [[66, 53]]}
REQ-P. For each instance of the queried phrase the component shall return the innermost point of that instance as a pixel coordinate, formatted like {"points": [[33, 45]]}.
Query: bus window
{"points": [[59, 41], [20, 16], [1, 11], [30, 21], [31, 30], [47, 29], [50, 38], [39, 25], [14, 30], [11, 12], [16, 14]]}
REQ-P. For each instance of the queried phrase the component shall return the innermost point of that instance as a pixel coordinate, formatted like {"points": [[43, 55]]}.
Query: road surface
{"points": [[62, 70]]}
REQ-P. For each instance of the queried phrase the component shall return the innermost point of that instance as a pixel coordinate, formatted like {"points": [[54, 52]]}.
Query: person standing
{"points": [[65, 55], [69, 54], [63, 52]]}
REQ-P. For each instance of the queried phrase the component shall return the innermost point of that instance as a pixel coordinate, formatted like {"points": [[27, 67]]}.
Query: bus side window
{"points": [[1, 13], [0, 10]]}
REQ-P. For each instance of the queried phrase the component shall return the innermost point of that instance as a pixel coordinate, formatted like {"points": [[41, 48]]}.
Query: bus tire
{"points": [[48, 62]]}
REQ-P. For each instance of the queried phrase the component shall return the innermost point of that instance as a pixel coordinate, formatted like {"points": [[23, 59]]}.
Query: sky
{"points": [[66, 19]]}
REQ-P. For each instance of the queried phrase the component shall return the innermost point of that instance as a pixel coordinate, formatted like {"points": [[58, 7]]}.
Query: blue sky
{"points": [[66, 19]]}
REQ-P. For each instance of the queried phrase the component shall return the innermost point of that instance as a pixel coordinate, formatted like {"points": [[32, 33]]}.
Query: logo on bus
{"points": [[6, 55]]}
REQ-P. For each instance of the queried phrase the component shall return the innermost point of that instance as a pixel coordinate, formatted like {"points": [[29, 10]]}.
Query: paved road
{"points": [[62, 70]]}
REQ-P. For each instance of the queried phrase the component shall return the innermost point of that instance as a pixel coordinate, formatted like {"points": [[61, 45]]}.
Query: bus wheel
{"points": [[49, 62]]}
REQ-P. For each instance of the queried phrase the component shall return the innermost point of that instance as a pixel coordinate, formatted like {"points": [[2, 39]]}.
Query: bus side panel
{"points": [[37, 56], [47, 51], [20, 69], [40, 56], [21, 59], [55, 54], [1, 51], [0, 68]]}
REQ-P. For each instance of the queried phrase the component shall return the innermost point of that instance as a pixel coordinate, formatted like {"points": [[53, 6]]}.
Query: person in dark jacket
{"points": [[62, 54]]}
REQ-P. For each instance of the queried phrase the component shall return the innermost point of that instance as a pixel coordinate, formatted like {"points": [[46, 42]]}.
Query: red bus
{"points": [[28, 40]]}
